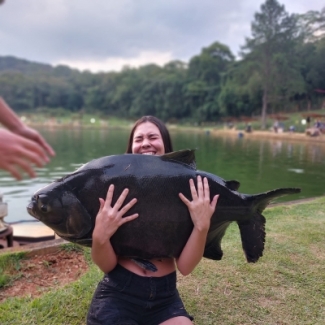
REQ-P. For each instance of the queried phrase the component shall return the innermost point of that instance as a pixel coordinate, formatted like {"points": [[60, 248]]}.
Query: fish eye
{"points": [[44, 208], [42, 203]]}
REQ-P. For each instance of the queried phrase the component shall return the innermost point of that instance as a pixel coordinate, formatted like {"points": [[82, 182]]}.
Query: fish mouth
{"points": [[31, 209]]}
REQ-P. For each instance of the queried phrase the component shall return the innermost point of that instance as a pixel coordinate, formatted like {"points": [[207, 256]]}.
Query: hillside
{"points": [[10, 64]]}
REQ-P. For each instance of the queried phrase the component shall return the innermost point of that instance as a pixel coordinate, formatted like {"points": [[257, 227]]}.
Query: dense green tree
{"points": [[272, 50], [281, 68], [17, 89], [312, 25], [161, 92], [312, 67], [205, 74], [241, 92]]}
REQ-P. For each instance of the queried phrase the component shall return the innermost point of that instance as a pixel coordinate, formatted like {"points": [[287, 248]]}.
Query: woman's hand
{"points": [[109, 218], [201, 211], [200, 208]]}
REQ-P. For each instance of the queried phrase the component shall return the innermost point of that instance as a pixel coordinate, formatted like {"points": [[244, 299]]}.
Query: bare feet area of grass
{"points": [[37, 274]]}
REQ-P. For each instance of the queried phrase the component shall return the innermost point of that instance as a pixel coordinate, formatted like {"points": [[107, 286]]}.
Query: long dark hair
{"points": [[162, 129]]}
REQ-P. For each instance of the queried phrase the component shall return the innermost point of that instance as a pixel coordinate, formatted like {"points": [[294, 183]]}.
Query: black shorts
{"points": [[125, 298]]}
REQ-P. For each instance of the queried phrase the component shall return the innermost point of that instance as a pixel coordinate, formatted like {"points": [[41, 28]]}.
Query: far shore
{"points": [[293, 136], [254, 134]]}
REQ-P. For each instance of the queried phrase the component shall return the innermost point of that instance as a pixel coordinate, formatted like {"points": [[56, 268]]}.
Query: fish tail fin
{"points": [[260, 201], [252, 231]]}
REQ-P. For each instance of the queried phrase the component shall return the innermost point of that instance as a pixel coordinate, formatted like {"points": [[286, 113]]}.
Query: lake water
{"points": [[259, 165]]}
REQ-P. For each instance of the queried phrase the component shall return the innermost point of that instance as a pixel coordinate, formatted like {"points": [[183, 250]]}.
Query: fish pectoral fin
{"points": [[145, 264], [252, 234], [78, 220], [213, 246]]}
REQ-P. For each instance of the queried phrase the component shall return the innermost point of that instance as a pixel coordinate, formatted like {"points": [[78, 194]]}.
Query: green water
{"points": [[259, 165]]}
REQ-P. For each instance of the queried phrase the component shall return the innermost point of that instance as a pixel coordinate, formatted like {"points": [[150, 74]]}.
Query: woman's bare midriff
{"points": [[165, 266]]}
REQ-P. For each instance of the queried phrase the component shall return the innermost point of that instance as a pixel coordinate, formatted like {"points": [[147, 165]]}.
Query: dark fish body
{"points": [[70, 205]]}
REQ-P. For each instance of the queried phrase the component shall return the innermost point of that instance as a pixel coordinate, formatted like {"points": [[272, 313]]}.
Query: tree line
{"points": [[281, 69]]}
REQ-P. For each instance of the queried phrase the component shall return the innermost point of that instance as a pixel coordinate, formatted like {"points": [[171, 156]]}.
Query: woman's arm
{"points": [[201, 211], [108, 220], [8, 118], [12, 122]]}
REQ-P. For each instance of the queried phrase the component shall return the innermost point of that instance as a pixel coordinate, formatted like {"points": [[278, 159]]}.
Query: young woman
{"points": [[129, 294]]}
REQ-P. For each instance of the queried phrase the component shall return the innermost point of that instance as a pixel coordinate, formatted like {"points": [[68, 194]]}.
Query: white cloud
{"points": [[105, 34], [117, 63]]}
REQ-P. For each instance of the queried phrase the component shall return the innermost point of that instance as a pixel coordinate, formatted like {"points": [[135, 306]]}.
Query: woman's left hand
{"points": [[201, 208]]}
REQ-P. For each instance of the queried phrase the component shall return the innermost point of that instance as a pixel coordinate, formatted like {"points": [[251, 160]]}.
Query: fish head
{"points": [[60, 209]]}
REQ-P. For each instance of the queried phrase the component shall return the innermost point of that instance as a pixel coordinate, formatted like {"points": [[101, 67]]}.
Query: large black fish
{"points": [[70, 205]]}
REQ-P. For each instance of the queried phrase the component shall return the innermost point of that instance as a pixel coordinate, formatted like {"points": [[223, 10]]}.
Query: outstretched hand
{"points": [[201, 208], [18, 152], [35, 136], [110, 218]]}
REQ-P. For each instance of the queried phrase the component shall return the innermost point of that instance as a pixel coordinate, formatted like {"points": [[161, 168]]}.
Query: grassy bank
{"points": [[65, 119], [285, 287], [61, 117]]}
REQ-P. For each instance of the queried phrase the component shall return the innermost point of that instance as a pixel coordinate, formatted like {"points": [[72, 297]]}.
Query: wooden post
{"points": [[3, 213]]}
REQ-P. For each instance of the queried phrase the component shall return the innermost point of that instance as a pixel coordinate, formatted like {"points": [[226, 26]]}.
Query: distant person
{"points": [[249, 128], [317, 124], [316, 130], [21, 147], [276, 126]]}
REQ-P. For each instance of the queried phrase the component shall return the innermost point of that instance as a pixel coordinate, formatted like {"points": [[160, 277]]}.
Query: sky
{"points": [[106, 35]]}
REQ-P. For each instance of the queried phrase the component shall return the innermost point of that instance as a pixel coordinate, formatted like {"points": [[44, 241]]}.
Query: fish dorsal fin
{"points": [[185, 156], [233, 185]]}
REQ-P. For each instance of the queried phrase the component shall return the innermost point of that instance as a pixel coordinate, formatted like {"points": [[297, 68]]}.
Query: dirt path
{"points": [[40, 273]]}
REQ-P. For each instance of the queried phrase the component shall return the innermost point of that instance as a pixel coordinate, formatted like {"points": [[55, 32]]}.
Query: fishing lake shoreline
{"points": [[209, 130], [229, 153]]}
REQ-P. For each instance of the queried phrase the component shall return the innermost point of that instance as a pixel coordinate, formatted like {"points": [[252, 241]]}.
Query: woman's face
{"points": [[147, 140]]}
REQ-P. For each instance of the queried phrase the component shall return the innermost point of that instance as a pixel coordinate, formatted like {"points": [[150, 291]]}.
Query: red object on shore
{"points": [[313, 115], [320, 91]]}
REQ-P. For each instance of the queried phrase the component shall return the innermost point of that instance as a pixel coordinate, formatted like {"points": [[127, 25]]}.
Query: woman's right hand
{"points": [[110, 218]]}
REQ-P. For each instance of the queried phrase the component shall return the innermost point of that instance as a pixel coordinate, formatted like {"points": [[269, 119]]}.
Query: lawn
{"points": [[286, 286]]}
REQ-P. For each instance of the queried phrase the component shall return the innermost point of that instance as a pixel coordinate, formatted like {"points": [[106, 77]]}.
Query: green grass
{"points": [[286, 286], [9, 263]]}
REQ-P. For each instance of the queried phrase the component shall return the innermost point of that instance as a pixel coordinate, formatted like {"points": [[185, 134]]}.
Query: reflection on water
{"points": [[296, 170], [258, 165]]}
